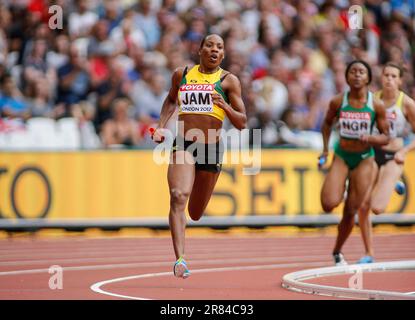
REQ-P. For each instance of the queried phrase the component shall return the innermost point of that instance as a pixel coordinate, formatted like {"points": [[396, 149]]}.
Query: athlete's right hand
{"points": [[157, 135], [322, 160]]}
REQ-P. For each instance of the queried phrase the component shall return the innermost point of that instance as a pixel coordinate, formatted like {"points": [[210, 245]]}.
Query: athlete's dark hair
{"points": [[205, 37], [369, 70], [203, 41], [396, 66]]}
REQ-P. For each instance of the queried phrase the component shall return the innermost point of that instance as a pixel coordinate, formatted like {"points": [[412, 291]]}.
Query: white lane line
{"points": [[96, 287], [271, 235], [210, 261], [76, 253], [166, 263], [15, 252], [80, 253], [198, 245], [296, 281], [283, 255]]}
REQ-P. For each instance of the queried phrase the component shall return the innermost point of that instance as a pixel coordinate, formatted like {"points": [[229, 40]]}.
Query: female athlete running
{"points": [[390, 158], [356, 110], [205, 94]]}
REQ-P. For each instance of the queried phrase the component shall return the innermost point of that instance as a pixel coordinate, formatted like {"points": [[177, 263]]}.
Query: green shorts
{"points": [[352, 159]]}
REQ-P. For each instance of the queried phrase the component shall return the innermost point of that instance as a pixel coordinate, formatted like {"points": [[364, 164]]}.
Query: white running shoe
{"points": [[339, 259], [180, 269]]}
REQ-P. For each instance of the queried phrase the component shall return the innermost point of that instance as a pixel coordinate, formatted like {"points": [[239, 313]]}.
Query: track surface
{"points": [[246, 267]]}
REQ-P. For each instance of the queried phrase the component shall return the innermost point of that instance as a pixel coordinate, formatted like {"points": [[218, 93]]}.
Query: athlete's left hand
{"points": [[399, 157], [322, 160], [219, 101]]}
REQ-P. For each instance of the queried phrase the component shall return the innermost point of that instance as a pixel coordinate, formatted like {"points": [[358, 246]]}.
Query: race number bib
{"points": [[196, 98], [392, 117], [354, 124]]}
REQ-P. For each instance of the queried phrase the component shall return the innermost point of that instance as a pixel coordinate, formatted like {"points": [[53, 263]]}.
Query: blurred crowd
{"points": [[110, 61]]}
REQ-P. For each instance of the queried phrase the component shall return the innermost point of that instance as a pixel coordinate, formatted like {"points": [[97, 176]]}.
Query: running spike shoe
{"points": [[180, 269], [339, 259], [366, 259]]}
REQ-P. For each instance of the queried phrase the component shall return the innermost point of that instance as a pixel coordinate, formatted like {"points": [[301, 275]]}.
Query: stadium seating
{"points": [[48, 134]]}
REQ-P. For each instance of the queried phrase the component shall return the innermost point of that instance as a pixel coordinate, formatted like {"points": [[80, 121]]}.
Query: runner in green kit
{"points": [[356, 112]]}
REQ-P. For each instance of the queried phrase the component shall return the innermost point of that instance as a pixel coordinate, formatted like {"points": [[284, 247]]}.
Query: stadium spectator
{"points": [[82, 20], [12, 102], [40, 100], [36, 68], [146, 19], [148, 103], [112, 12], [74, 80], [121, 129], [58, 55], [273, 90], [115, 86], [109, 49], [126, 35]]}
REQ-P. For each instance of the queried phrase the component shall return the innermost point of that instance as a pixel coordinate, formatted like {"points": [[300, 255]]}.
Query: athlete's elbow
{"points": [[242, 124]]}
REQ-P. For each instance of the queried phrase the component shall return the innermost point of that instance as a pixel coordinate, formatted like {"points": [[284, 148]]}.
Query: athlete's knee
{"points": [[377, 206], [377, 209], [327, 207], [328, 204], [364, 208], [195, 212], [178, 198], [195, 215], [329, 200]]}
